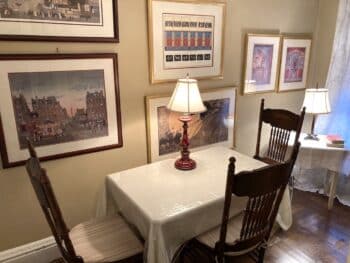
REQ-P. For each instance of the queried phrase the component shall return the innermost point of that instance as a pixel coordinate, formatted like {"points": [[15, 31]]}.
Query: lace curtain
{"points": [[338, 83], [338, 80]]}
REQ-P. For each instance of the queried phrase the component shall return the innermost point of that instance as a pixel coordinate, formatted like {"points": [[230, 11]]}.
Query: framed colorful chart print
{"points": [[294, 63], [65, 104], [186, 37], [59, 20], [213, 127], [261, 63]]}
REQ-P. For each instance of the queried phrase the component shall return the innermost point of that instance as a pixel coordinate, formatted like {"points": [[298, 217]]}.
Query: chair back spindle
{"points": [[282, 123]]}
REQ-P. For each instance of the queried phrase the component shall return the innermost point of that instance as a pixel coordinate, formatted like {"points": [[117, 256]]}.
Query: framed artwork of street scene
{"points": [[186, 37], [59, 20], [261, 63], [65, 104], [213, 127], [295, 62]]}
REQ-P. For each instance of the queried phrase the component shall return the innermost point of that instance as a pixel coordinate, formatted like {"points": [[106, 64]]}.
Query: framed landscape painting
{"points": [[65, 104], [261, 63], [186, 37], [213, 127], [294, 63], [59, 20]]}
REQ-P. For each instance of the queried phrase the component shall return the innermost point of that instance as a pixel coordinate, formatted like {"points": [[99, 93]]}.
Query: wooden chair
{"points": [[245, 235], [282, 123], [101, 240]]}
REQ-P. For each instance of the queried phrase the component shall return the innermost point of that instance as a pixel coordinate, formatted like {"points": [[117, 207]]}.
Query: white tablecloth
{"points": [[314, 161], [169, 206]]}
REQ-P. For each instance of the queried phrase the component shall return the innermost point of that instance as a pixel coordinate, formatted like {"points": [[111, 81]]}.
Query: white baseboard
{"points": [[42, 251]]}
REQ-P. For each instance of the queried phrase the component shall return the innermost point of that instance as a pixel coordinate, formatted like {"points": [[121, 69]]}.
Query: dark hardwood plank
{"points": [[317, 234]]}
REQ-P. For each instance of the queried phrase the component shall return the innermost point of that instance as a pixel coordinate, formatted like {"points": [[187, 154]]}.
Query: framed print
{"points": [[294, 63], [213, 127], [186, 37], [65, 104], [59, 20], [261, 63]]}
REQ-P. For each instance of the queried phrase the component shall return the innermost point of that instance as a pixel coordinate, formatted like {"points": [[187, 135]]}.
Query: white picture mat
{"points": [[160, 7], [295, 43], [7, 112], [249, 86], [155, 103], [183, 64], [63, 30]]}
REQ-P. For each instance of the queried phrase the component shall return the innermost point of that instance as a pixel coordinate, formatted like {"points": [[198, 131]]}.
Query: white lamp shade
{"points": [[317, 101], [186, 97]]}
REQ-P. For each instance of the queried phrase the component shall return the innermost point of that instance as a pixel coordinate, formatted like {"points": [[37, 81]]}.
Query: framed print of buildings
{"points": [[261, 63], [186, 37], [65, 104], [213, 127], [294, 63], [59, 20]]}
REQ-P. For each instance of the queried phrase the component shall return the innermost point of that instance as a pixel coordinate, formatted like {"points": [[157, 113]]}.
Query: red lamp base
{"points": [[185, 164]]}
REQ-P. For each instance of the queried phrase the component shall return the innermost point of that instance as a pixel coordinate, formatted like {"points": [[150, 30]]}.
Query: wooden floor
{"points": [[317, 235]]}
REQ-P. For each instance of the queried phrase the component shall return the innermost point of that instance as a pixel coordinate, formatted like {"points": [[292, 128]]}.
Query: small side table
{"points": [[316, 154]]}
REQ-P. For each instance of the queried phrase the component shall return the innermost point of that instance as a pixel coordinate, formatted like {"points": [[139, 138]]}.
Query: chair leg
{"points": [[261, 255], [194, 252], [291, 186], [179, 256]]}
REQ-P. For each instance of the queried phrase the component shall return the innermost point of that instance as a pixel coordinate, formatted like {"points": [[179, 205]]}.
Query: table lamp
{"points": [[187, 100], [316, 102]]}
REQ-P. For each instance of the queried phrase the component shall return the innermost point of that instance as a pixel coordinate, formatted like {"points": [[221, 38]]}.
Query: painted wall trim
{"points": [[41, 251]]}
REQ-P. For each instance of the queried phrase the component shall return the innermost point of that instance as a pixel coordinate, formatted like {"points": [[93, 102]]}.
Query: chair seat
{"points": [[234, 226], [266, 160], [109, 239]]}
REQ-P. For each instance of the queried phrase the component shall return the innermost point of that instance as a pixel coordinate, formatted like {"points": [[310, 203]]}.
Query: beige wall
{"points": [[77, 180], [325, 30]]}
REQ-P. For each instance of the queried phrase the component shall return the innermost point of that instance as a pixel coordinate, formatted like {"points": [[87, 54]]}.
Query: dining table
{"points": [[168, 206]]}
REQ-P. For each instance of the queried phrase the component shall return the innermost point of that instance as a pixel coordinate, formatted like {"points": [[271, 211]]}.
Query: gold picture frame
{"points": [[302, 47], [95, 23], [271, 43], [158, 72], [155, 106]]}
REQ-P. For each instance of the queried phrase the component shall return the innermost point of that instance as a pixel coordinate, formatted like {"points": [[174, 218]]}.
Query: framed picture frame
{"points": [[295, 62], [186, 37], [65, 104], [216, 126], [66, 21], [261, 65]]}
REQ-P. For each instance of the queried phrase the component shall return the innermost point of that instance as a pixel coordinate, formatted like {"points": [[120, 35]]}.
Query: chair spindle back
{"points": [[264, 188], [282, 123]]}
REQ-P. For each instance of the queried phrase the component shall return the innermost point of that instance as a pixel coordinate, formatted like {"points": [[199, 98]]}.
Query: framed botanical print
{"points": [[186, 37], [213, 127], [65, 104], [60, 20], [294, 63], [261, 63]]}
